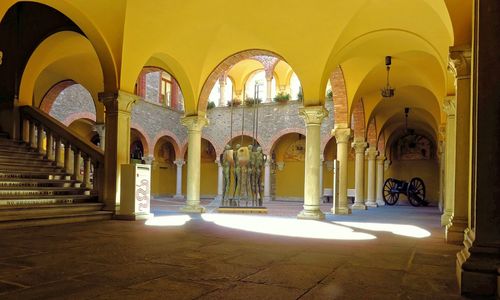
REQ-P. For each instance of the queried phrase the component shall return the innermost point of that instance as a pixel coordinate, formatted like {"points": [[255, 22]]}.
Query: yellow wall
{"points": [[290, 181], [208, 182], [428, 170], [163, 179]]}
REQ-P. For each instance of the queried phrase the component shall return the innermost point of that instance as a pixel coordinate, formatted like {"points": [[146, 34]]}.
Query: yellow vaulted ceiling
{"points": [[189, 39]]}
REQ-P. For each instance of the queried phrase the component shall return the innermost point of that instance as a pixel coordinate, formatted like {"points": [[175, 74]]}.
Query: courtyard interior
{"points": [[385, 253]]}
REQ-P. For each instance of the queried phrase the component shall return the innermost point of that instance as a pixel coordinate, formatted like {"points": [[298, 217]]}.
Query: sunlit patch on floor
{"points": [[404, 230], [287, 227], [177, 220]]}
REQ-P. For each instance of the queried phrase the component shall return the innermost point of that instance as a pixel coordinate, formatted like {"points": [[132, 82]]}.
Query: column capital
{"points": [[450, 105], [218, 162], [194, 123], [118, 101], [381, 158], [460, 61], [149, 159], [99, 128], [359, 146], [179, 162], [371, 153], [342, 135], [313, 115]]}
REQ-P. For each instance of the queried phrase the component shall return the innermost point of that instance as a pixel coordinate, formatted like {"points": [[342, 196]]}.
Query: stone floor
{"points": [[202, 260]]}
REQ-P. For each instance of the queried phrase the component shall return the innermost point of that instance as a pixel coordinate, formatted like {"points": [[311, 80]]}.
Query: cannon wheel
{"points": [[390, 197], [416, 192]]}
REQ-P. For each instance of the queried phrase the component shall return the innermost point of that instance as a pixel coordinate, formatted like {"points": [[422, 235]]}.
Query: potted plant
{"points": [[329, 95], [251, 101], [282, 98], [235, 101], [211, 105]]}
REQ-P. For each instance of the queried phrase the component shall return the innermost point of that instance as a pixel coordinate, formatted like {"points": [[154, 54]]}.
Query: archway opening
{"points": [[163, 169], [159, 87]]}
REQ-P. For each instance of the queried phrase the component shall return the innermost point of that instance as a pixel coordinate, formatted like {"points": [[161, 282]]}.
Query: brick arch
{"points": [[76, 116], [381, 143], [184, 148], [325, 142], [50, 97], [245, 133], [339, 91], [225, 65], [371, 134], [172, 138], [140, 85], [270, 145], [358, 119], [143, 136]]}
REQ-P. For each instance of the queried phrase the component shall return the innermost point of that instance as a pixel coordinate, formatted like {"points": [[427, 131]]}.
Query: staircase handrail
{"points": [[65, 133]]}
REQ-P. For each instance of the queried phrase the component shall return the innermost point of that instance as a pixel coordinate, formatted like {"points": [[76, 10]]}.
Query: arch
{"points": [[267, 148], [68, 101], [141, 87], [328, 143], [94, 35], [358, 120], [381, 143], [83, 127], [340, 102], [371, 134], [136, 131], [234, 139], [225, 65], [176, 143], [167, 63], [77, 116], [50, 97]]}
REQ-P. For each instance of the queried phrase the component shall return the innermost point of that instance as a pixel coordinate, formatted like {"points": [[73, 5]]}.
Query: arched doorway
{"points": [[163, 169]]}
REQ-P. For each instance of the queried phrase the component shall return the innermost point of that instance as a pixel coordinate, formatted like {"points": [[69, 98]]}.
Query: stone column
{"points": [[342, 137], [359, 201], [101, 131], [194, 125], [380, 180], [269, 92], [371, 154], [478, 264], [220, 180], [267, 180], [313, 116], [178, 187], [449, 107], [460, 59], [321, 161], [222, 84], [118, 108]]}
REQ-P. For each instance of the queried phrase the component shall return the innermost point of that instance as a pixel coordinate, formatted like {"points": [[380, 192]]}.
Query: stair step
{"points": [[17, 147], [26, 161], [23, 174], [18, 152], [17, 166], [57, 219], [9, 213], [29, 182], [11, 192], [44, 200]]}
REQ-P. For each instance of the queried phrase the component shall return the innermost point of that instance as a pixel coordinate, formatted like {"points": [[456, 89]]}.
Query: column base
{"points": [[341, 211], [455, 231], [179, 197], [380, 202], [267, 199], [311, 215], [358, 206], [478, 274], [371, 204], [198, 209], [445, 218]]}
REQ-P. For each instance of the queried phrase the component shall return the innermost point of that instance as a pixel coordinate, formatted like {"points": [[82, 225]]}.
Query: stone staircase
{"points": [[35, 192]]}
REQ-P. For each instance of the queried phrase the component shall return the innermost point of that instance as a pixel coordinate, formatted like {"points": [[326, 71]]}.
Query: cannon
{"points": [[414, 191]]}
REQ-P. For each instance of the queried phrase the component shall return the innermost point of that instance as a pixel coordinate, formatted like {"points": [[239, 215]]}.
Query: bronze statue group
{"points": [[244, 166]]}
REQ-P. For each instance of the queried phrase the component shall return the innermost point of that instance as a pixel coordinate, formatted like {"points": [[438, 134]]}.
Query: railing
{"points": [[56, 141]]}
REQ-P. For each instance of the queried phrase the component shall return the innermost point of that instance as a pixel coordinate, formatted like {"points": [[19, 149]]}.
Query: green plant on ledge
{"points": [[252, 101], [329, 95], [211, 105], [282, 98], [236, 102], [300, 96]]}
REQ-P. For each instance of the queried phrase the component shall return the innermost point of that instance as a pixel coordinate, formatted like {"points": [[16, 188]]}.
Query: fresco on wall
{"points": [[165, 153], [413, 147], [296, 151]]}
